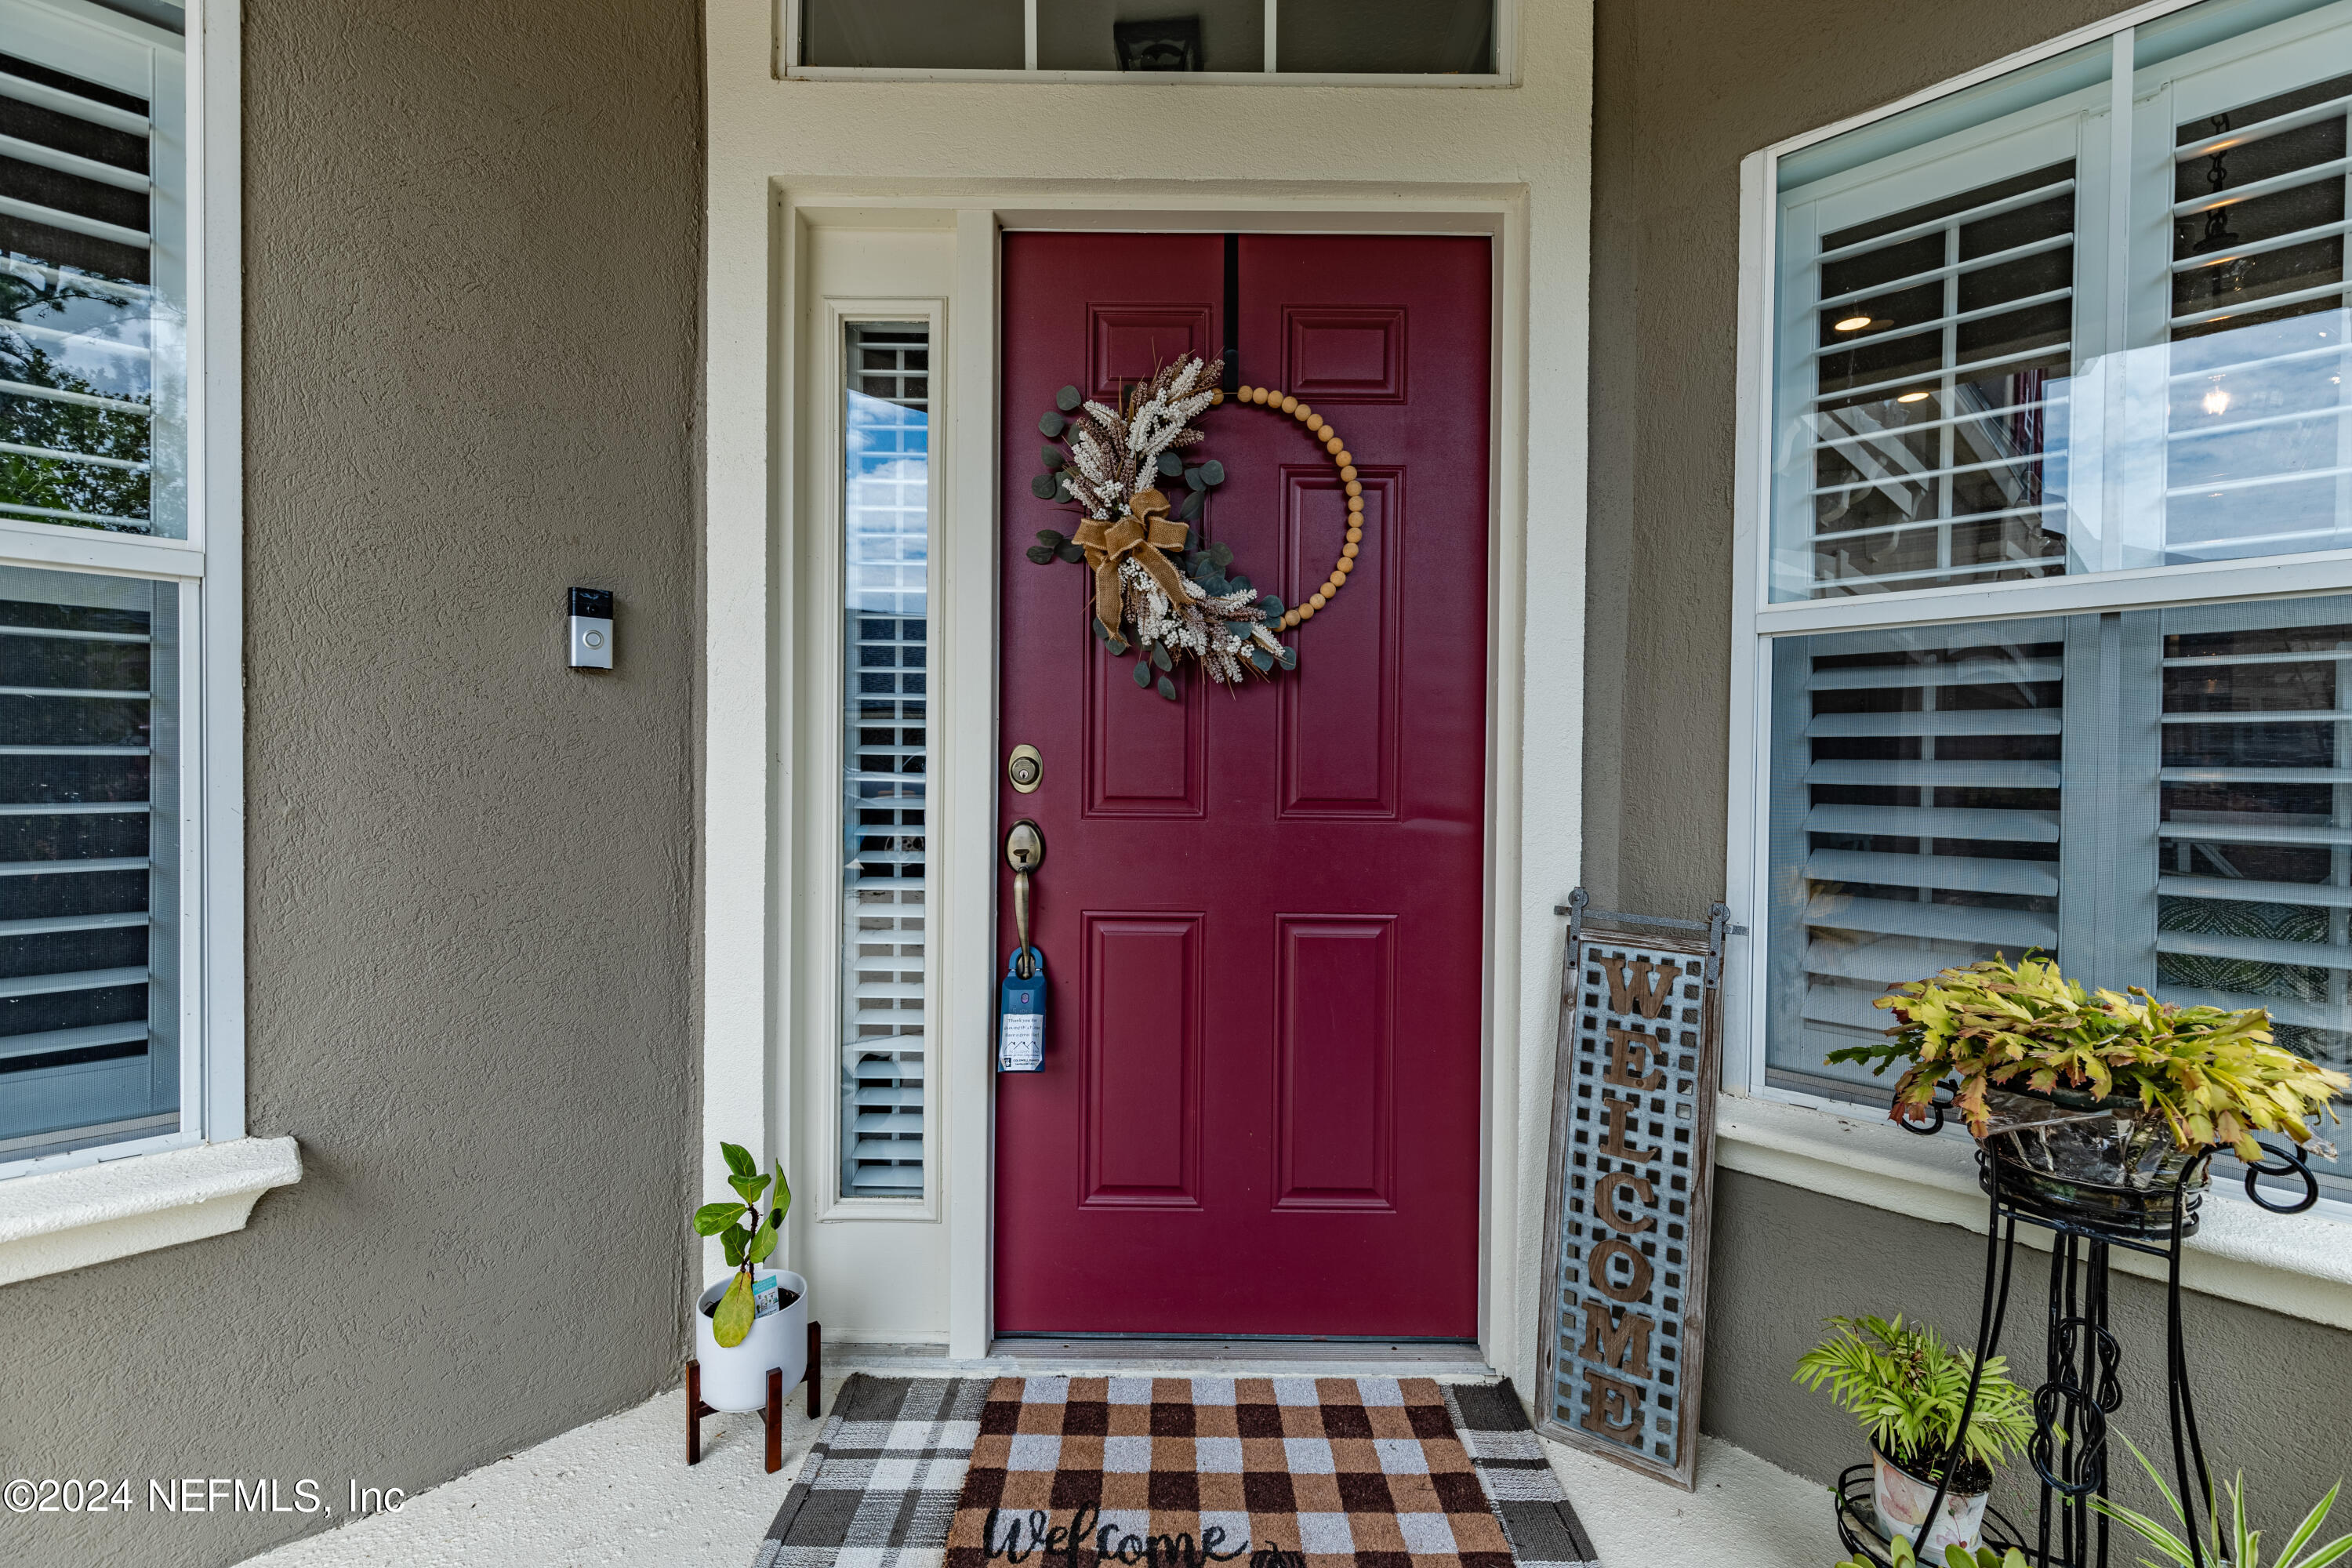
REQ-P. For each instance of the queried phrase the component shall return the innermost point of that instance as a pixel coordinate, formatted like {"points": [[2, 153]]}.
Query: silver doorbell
{"points": [[592, 628]]}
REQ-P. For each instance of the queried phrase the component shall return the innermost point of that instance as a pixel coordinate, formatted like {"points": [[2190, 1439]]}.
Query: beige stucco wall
{"points": [[472, 250], [1195, 144], [1685, 89]]}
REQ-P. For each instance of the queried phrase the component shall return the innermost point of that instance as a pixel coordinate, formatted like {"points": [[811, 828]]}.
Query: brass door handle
{"points": [[1025, 851]]}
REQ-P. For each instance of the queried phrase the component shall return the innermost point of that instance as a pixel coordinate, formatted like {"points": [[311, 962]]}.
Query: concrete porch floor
{"points": [[618, 1491]]}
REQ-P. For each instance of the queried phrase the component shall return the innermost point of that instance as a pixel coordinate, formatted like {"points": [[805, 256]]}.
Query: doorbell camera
{"points": [[592, 628]]}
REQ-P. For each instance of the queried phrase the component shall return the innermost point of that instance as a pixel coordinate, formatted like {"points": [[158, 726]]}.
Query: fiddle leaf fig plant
{"points": [[745, 1235]]}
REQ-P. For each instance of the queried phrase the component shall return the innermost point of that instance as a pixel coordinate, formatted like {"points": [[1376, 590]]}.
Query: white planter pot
{"points": [[1902, 1499], [737, 1378]]}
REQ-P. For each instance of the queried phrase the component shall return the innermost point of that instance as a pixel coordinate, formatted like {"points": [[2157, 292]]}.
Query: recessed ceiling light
{"points": [[1913, 397], [1852, 323]]}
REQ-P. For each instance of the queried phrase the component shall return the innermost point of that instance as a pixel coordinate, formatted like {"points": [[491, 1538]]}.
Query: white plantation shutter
{"points": [[884, 756], [2254, 844], [92, 271], [1926, 348], [88, 864], [1917, 821]]}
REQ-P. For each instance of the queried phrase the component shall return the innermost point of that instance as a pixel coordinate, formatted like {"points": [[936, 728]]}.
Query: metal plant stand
{"points": [[2081, 1387]]}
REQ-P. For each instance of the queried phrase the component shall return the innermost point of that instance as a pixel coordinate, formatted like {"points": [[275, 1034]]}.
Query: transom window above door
{"points": [[1425, 42]]}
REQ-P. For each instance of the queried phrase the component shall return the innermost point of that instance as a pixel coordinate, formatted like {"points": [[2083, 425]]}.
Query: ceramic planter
{"points": [[736, 1378], [1902, 1499]]}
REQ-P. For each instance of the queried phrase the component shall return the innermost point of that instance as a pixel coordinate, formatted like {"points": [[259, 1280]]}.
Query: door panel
{"points": [[1260, 909]]}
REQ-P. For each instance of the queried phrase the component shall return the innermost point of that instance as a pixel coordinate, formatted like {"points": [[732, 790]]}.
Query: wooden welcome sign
{"points": [[1625, 1233]]}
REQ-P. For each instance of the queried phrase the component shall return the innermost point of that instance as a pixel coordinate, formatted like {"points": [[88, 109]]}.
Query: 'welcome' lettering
{"points": [[1652, 986]]}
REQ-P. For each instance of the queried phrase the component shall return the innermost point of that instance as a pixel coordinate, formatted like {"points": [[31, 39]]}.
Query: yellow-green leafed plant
{"points": [[2228, 1543], [2213, 1075], [1907, 1387], [745, 1236], [1899, 1553]]}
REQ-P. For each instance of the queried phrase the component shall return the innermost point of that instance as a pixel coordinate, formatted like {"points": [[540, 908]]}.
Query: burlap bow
{"points": [[1143, 533]]}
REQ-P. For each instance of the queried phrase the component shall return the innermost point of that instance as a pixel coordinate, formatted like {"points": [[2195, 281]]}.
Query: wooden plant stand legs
{"points": [[772, 1415]]}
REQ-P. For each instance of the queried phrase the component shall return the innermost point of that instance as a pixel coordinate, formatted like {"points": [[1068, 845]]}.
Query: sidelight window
{"points": [[2057, 413], [120, 985], [885, 749]]}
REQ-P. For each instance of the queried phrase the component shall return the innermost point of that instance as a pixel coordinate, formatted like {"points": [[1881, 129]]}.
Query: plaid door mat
{"points": [[1285, 1472]]}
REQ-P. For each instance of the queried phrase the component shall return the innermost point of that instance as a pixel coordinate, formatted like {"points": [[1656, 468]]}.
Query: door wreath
{"points": [[1155, 592]]}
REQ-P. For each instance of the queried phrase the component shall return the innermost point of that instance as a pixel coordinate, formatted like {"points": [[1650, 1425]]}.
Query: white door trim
{"points": [[750, 877]]}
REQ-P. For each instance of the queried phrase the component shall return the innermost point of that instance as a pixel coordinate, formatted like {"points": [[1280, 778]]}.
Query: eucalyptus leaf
{"points": [[1051, 456], [1262, 659], [1193, 479], [1072, 551], [1212, 473], [1218, 587], [739, 1160], [1191, 507], [1170, 464], [1094, 623], [1289, 658], [1159, 656], [1052, 425], [1118, 644], [1143, 672], [1223, 554], [731, 1325], [1041, 554], [1067, 400], [1272, 606], [1168, 689], [712, 1218], [1241, 585], [1045, 487], [1051, 538]]}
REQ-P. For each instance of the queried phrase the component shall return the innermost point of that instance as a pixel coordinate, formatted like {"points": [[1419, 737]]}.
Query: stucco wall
{"points": [[472, 250], [1683, 89]]}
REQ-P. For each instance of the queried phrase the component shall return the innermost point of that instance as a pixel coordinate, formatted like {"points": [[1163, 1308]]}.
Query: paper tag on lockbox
{"points": [[1021, 1015]]}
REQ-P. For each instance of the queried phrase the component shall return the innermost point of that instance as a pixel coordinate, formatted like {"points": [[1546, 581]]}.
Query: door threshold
{"points": [[1045, 1355]]}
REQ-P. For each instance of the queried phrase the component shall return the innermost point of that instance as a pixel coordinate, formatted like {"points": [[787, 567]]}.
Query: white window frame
{"points": [[207, 567], [1837, 1165], [788, 63]]}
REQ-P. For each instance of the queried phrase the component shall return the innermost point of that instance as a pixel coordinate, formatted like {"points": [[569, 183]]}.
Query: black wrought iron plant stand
{"points": [[2081, 1386]]}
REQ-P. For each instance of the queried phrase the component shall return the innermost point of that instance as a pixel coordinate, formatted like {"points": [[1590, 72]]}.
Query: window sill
{"points": [[71, 1219], [2300, 1265]]}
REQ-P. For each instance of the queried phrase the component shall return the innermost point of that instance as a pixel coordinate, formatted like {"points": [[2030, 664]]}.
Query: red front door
{"points": [[1260, 909]]}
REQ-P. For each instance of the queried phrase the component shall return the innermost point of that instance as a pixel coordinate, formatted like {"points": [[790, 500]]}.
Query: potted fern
{"points": [[1907, 1388], [751, 1320], [2097, 1102]]}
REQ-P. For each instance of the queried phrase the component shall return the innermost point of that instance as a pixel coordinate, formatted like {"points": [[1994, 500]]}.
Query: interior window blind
{"points": [[1916, 822], [1940, 339], [2258, 444], [91, 266], [885, 746], [87, 864]]}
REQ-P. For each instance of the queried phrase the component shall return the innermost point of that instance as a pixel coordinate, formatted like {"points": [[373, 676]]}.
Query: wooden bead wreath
{"points": [[1170, 601], [1345, 460]]}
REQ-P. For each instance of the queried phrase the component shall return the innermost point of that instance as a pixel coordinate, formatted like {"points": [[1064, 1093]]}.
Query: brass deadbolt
{"points": [[1025, 768]]}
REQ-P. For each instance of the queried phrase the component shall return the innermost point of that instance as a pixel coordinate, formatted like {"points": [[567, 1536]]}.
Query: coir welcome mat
{"points": [[1181, 1472]]}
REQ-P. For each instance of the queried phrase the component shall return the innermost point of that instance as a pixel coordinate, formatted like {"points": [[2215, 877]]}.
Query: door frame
{"points": [[756, 872]]}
